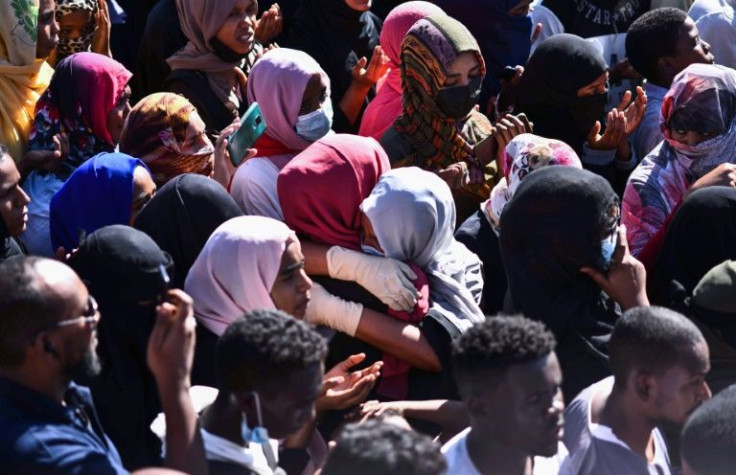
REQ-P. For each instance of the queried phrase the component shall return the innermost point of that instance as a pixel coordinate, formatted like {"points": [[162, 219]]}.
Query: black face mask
{"points": [[225, 53], [587, 110], [457, 101]]}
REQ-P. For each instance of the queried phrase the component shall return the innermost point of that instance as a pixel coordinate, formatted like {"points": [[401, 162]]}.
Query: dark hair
{"points": [[26, 308], [265, 345], [481, 356], [379, 448], [652, 338], [652, 36], [709, 436]]}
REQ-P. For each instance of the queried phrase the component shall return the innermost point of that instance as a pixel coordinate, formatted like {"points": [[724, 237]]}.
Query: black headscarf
{"points": [[547, 93], [121, 268], [183, 215], [701, 235], [550, 229], [9, 246]]}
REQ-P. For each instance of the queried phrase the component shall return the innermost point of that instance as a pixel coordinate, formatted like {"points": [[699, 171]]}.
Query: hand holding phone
{"points": [[252, 126]]}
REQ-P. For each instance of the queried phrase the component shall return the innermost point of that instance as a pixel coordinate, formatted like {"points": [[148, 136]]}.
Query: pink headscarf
{"points": [[386, 107], [236, 270], [277, 82], [321, 189]]}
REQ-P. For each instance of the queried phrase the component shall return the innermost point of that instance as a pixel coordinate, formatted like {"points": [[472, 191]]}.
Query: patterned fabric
{"points": [[23, 78], [524, 154], [82, 43], [702, 98], [428, 50], [83, 91], [156, 131]]}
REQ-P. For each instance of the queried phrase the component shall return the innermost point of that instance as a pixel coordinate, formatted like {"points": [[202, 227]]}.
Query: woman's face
{"points": [[290, 290], [237, 33], [359, 5], [75, 24], [47, 29], [143, 190], [116, 117], [521, 9], [465, 67], [196, 140], [596, 87], [691, 137], [314, 94]]}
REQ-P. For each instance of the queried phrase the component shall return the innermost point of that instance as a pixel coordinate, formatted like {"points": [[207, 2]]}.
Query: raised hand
{"points": [[376, 69], [343, 388]]}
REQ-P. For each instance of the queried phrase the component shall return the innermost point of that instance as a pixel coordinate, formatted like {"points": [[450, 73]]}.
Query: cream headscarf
{"points": [[23, 78]]}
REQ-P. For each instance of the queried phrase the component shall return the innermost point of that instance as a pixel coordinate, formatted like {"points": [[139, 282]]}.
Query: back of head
{"points": [[651, 37], [262, 348], [650, 339], [708, 441], [380, 448], [183, 215], [26, 307], [483, 354]]}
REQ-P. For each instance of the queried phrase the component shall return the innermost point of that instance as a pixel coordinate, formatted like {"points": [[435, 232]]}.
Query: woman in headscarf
{"points": [[182, 216], [23, 76], [564, 90], [320, 191], [165, 131], [84, 25], [442, 70], [111, 188], [209, 69], [294, 95], [410, 216], [386, 106], [524, 154], [80, 115], [342, 35], [122, 269], [562, 224], [698, 122]]}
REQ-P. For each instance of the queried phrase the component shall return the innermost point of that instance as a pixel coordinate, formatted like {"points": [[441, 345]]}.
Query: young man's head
{"points": [[270, 356], [380, 448], [660, 358], [48, 322], [663, 42], [13, 200], [708, 444], [509, 377]]}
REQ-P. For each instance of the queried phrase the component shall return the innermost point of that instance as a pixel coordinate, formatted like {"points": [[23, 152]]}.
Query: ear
{"points": [[666, 66], [644, 386], [477, 406]]}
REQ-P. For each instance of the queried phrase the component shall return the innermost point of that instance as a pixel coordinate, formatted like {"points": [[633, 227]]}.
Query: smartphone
{"points": [[165, 282], [252, 125]]}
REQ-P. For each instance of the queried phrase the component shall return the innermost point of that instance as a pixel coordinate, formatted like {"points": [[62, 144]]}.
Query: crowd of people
{"points": [[459, 237]]}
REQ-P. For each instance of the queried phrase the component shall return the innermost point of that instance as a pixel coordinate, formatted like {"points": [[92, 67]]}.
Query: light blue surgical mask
{"points": [[259, 434], [316, 124], [608, 247]]}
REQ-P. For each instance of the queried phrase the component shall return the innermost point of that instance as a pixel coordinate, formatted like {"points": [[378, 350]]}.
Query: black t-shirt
{"points": [[589, 18]]}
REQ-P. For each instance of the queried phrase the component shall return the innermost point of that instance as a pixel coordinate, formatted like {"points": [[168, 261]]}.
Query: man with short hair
{"points": [[709, 437], [48, 326], [509, 378], [375, 447], [659, 361], [13, 209], [659, 45]]}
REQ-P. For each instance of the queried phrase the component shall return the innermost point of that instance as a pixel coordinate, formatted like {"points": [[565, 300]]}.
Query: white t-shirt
{"points": [[458, 458]]}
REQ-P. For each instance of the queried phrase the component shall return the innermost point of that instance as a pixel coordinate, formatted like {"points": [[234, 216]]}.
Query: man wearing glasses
{"points": [[48, 325]]}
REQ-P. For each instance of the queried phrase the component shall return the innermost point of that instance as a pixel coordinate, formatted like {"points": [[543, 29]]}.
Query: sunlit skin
{"points": [[359, 5], [465, 67], [290, 290], [315, 94], [47, 30], [596, 87], [143, 190], [116, 117], [13, 200], [238, 31], [75, 24]]}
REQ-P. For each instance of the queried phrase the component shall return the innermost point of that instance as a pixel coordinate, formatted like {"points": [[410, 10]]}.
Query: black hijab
{"points": [[551, 228], [9, 246], [121, 268], [701, 235], [547, 93], [183, 215]]}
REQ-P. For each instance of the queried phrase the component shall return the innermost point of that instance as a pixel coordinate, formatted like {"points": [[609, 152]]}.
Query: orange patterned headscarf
{"points": [[155, 132]]}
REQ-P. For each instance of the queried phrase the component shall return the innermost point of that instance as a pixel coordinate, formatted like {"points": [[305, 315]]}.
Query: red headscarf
{"points": [[321, 189]]}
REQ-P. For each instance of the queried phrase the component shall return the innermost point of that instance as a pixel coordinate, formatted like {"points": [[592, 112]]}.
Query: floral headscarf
{"points": [[524, 154]]}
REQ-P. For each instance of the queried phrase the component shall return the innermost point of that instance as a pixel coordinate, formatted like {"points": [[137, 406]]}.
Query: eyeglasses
{"points": [[90, 315]]}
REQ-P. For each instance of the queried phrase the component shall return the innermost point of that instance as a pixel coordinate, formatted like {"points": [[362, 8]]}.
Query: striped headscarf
{"points": [[155, 132], [428, 50]]}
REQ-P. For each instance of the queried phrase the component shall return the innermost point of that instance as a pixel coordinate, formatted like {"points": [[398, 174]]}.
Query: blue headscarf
{"points": [[99, 193], [504, 40]]}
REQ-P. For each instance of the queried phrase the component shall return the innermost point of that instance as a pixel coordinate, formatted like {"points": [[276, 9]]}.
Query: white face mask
{"points": [[316, 124]]}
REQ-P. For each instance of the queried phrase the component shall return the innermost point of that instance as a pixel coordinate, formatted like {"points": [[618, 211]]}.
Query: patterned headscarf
{"points": [[524, 154], [155, 132], [69, 46], [428, 50]]}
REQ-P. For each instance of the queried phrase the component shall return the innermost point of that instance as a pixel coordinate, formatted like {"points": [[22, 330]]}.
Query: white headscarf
{"points": [[236, 270], [413, 215]]}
